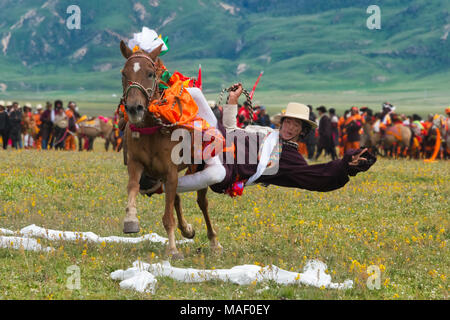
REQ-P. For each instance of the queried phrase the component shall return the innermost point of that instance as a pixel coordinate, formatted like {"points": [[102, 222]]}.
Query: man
{"points": [[217, 110], [4, 124], [352, 127], [263, 118], [28, 125], [243, 115], [72, 116], [47, 125], [325, 134], [386, 110], [310, 137], [37, 120], [293, 171], [60, 128], [15, 120], [334, 126]]}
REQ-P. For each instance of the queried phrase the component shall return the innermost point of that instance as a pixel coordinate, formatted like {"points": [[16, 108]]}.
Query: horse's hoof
{"points": [[130, 227], [189, 233], [177, 256], [217, 249]]}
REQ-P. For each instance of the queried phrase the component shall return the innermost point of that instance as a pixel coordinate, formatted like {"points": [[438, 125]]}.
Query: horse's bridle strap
{"points": [[148, 92]]}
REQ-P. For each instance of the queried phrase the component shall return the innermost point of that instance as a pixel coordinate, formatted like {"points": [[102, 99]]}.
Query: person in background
{"points": [[72, 116], [4, 125], [37, 120], [58, 104], [28, 126], [353, 125], [60, 128], [8, 111], [217, 110], [46, 125], [15, 120], [310, 137], [334, 126], [263, 118], [243, 116], [325, 134]]}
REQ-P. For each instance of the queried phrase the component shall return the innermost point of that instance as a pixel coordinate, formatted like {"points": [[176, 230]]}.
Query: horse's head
{"points": [[140, 79]]}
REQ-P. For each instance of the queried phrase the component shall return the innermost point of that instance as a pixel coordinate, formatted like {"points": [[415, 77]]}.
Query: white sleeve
{"points": [[229, 116]]}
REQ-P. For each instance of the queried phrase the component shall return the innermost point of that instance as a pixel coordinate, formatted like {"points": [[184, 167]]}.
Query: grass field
{"points": [[395, 216]]}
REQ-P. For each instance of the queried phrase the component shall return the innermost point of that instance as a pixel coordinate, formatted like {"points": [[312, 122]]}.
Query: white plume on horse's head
{"points": [[146, 40]]}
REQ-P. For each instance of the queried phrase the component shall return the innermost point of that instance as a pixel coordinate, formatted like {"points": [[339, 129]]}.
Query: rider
{"points": [[293, 170]]}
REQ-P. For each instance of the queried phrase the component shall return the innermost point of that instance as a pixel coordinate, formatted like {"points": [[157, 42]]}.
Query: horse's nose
{"points": [[134, 109]]}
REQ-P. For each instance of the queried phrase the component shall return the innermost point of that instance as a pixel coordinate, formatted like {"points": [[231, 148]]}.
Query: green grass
{"points": [[394, 216]]}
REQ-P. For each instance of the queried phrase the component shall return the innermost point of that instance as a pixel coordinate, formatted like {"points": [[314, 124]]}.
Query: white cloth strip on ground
{"points": [[142, 273]]}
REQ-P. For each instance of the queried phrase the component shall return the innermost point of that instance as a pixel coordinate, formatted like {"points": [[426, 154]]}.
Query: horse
{"points": [[367, 137], [91, 129], [396, 139], [150, 154]]}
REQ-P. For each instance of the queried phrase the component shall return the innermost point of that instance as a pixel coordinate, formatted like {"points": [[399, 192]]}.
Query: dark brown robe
{"points": [[293, 170]]}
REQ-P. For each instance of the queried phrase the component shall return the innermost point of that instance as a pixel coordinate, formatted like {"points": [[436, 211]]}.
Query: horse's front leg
{"points": [[170, 189], [131, 222]]}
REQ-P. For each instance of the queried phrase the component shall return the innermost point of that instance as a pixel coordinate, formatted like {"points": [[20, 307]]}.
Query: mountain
{"points": [[300, 45]]}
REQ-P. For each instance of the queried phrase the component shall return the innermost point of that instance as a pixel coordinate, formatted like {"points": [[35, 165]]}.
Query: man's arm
{"points": [[294, 172], [230, 109]]}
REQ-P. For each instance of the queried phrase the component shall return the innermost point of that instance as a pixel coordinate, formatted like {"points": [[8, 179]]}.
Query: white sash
{"points": [[270, 142]]}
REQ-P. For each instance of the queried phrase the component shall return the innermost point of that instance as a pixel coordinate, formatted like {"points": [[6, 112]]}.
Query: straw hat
{"points": [[9, 103], [298, 111], [39, 107], [2, 103], [28, 105]]}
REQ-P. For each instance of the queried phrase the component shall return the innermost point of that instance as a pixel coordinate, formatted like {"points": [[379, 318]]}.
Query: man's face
{"points": [[291, 129]]}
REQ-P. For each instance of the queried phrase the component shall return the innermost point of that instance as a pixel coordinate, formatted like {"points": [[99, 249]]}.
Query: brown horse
{"points": [[89, 130], [151, 154], [396, 139]]}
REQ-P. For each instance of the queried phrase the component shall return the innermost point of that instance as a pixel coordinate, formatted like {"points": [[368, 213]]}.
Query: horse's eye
{"points": [[151, 75]]}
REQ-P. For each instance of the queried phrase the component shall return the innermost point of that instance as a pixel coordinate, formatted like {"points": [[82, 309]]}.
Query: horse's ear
{"points": [[155, 53], [126, 52]]}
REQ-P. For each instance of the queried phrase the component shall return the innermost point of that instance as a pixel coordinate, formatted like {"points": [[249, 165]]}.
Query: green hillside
{"points": [[302, 46]]}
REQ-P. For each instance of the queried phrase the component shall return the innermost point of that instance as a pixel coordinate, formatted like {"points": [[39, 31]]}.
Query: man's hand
{"points": [[357, 158], [233, 96]]}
